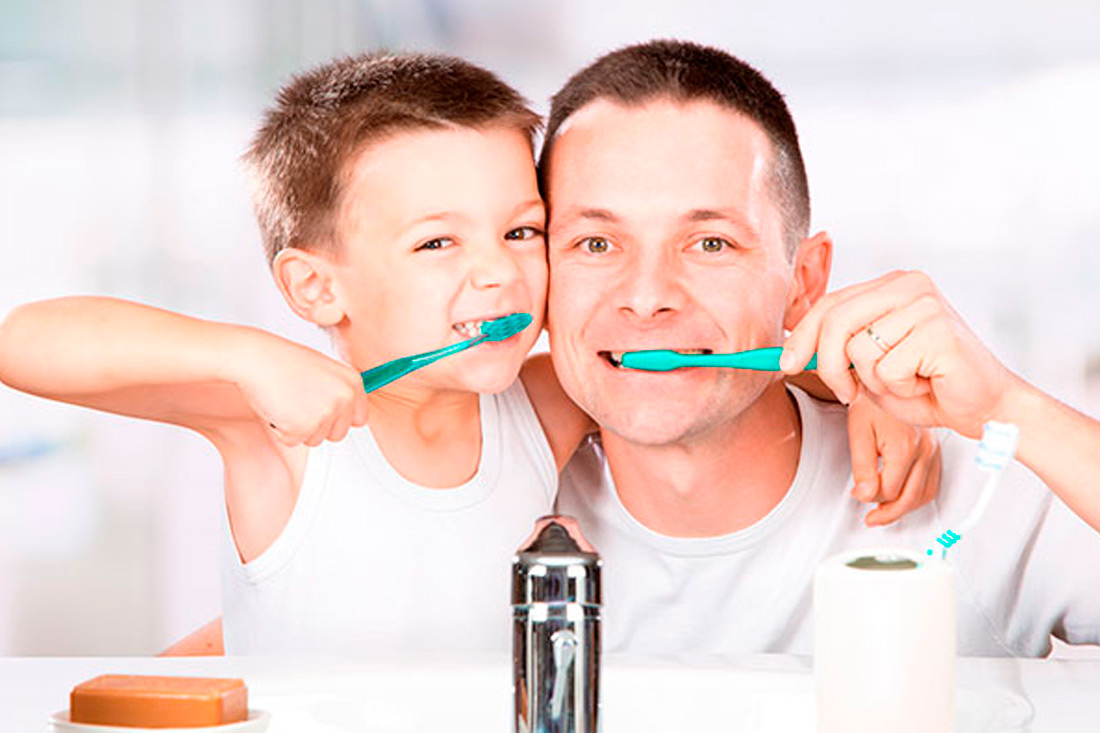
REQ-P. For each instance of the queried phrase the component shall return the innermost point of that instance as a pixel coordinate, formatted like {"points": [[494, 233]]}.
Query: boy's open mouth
{"points": [[615, 358], [470, 329]]}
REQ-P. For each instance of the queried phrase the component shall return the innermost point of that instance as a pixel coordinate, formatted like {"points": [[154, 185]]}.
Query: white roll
{"points": [[884, 643]]}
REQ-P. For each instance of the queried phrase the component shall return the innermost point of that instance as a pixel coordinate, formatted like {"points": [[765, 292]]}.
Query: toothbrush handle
{"points": [[761, 360], [383, 374]]}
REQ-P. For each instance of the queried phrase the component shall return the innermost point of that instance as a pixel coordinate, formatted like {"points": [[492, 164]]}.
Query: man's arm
{"points": [[916, 358], [1060, 444]]}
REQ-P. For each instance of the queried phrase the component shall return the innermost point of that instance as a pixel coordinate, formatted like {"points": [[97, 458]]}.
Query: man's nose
{"points": [[650, 286], [493, 266]]}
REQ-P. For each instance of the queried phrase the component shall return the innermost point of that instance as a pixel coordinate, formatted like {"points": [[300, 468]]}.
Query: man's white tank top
{"points": [[369, 562]]}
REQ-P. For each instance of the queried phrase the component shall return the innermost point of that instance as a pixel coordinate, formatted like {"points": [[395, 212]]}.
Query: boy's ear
{"points": [[812, 263], [306, 281]]}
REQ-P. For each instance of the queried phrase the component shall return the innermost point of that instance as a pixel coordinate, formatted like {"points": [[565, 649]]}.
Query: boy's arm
{"points": [[564, 424], [206, 641], [894, 465], [257, 397], [145, 362]]}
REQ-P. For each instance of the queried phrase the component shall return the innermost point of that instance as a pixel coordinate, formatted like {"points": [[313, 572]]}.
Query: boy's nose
{"points": [[493, 267]]}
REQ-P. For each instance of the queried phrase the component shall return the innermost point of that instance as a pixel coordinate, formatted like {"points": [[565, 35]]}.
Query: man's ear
{"points": [[812, 262], [306, 281]]}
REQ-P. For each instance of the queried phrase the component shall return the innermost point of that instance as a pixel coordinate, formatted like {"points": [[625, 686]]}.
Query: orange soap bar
{"points": [[158, 702]]}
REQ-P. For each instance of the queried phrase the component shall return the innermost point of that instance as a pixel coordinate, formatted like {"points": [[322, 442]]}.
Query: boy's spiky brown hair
{"points": [[322, 120]]}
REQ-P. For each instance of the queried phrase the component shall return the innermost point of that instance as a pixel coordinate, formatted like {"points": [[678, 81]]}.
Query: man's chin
{"points": [[650, 428]]}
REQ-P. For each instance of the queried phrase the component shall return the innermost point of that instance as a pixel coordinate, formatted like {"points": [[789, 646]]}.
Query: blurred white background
{"points": [[956, 137]]}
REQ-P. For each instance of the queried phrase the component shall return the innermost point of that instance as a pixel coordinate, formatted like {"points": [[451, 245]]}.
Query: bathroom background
{"points": [[956, 137]]}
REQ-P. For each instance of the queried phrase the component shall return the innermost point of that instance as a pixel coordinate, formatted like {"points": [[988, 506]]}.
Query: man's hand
{"points": [[909, 476], [912, 353], [302, 395]]}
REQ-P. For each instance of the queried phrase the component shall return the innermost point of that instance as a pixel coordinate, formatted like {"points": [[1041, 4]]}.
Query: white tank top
{"points": [[369, 562]]}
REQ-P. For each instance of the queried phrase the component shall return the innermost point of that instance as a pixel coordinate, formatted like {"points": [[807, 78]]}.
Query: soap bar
{"points": [[159, 702]]}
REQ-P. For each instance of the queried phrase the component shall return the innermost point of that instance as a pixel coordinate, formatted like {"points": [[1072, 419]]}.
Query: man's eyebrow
{"points": [[703, 215], [570, 215]]}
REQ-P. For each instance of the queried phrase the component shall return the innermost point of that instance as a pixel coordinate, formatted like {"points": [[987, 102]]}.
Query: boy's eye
{"points": [[713, 244], [595, 245], [437, 243], [521, 233]]}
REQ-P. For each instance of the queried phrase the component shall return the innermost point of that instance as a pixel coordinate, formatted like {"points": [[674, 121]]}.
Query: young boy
{"points": [[399, 209]]}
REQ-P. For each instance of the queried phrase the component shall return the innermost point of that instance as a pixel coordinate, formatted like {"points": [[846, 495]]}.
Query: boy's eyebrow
{"points": [[532, 204], [448, 216], [439, 216]]}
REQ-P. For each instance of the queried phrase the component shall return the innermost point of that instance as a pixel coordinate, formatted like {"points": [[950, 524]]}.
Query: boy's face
{"points": [[440, 229]]}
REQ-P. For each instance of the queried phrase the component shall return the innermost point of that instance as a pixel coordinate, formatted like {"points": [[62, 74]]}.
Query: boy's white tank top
{"points": [[369, 562]]}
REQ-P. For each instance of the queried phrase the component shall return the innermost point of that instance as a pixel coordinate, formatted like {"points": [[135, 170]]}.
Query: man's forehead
{"points": [[697, 155], [603, 112], [606, 136]]}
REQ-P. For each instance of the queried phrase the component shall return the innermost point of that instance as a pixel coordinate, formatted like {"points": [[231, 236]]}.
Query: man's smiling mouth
{"points": [[615, 358]]}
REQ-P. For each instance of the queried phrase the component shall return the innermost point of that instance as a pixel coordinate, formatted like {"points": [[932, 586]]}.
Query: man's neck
{"points": [[716, 484]]}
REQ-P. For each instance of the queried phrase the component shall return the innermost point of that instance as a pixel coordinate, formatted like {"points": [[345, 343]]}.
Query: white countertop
{"points": [[760, 693]]}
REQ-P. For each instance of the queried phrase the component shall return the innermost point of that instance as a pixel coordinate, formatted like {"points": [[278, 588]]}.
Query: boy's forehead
{"points": [[439, 171]]}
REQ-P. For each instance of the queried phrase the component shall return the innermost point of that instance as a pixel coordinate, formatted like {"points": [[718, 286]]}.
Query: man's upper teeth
{"points": [[616, 357]]}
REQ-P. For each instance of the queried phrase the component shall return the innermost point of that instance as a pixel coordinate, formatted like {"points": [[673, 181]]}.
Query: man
{"points": [[679, 217]]}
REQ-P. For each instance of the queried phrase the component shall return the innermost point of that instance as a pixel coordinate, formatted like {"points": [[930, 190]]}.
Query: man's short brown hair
{"points": [[323, 119], [684, 72]]}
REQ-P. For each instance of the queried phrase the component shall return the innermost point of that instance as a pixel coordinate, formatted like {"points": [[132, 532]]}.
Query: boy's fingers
{"points": [[361, 410], [341, 424], [899, 456], [921, 485], [910, 498], [318, 435], [864, 449]]}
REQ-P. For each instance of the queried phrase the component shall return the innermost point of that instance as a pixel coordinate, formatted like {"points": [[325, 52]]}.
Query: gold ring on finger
{"points": [[879, 341]]}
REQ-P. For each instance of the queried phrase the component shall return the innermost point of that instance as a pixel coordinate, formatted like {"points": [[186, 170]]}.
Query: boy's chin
{"points": [[489, 380]]}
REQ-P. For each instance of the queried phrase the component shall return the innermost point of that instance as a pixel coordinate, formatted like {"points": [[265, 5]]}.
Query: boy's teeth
{"points": [[469, 329]]}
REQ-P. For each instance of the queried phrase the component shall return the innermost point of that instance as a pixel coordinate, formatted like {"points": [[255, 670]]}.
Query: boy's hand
{"points": [[910, 457], [301, 394]]}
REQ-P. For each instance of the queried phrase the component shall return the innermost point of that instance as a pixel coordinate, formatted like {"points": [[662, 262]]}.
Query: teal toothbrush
{"points": [[664, 360], [497, 329]]}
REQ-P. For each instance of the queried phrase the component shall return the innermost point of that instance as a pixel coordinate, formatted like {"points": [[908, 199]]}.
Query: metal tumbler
{"points": [[556, 630]]}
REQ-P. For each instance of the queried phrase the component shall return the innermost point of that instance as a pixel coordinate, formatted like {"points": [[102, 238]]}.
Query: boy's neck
{"points": [[412, 423]]}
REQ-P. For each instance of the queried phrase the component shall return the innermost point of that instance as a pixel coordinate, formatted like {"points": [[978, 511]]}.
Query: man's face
{"points": [[663, 235]]}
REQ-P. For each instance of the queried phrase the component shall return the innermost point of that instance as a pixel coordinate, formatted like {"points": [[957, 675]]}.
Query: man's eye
{"points": [[438, 243], [713, 244], [521, 233], [595, 245]]}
